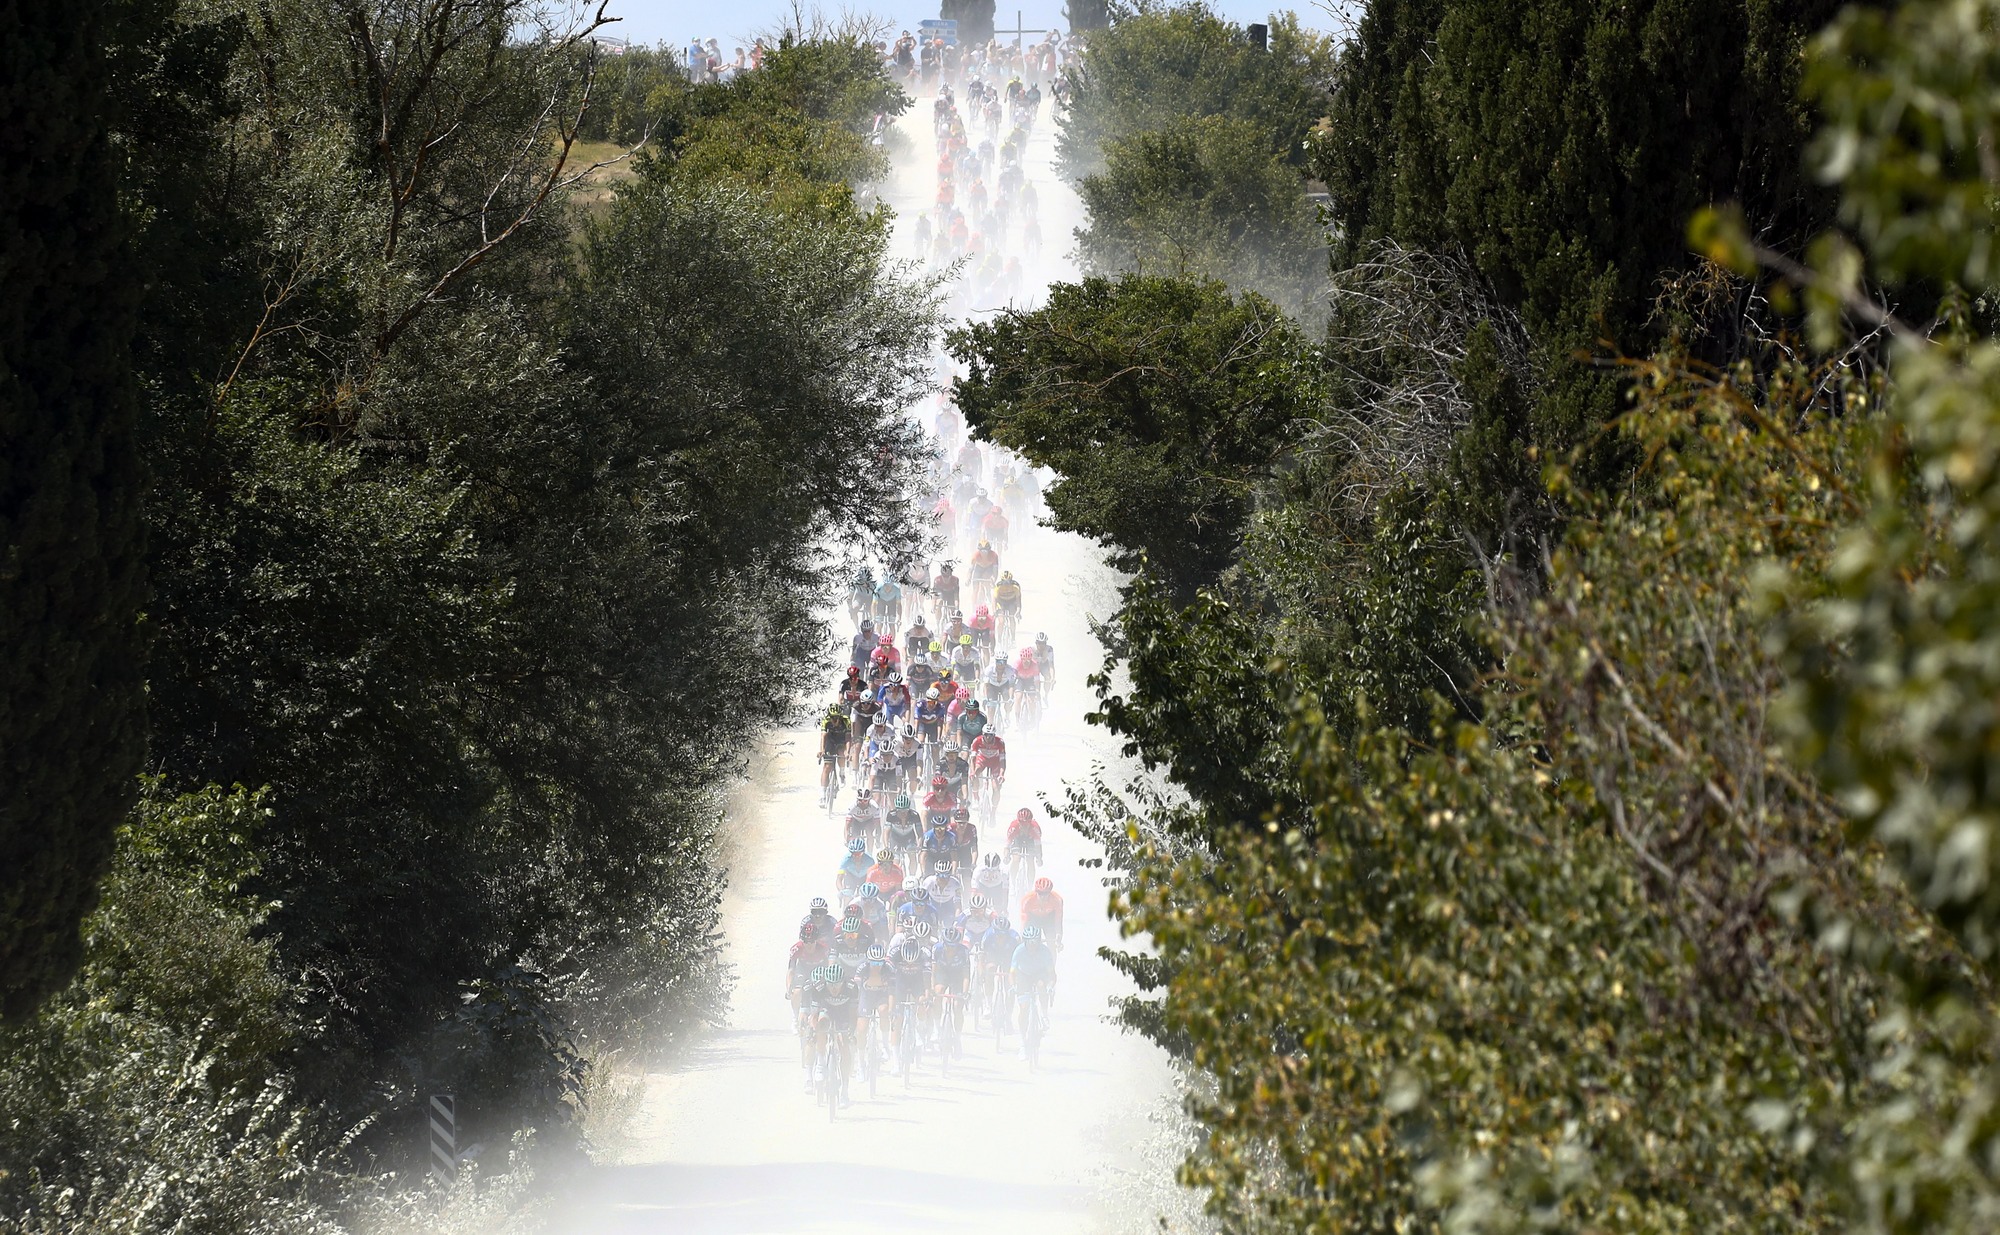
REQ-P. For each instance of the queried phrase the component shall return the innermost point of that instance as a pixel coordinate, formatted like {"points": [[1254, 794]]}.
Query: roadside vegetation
{"points": [[385, 755], [1563, 653]]}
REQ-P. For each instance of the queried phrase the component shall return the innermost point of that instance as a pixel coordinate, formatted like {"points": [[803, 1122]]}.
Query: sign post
{"points": [[444, 1139]]}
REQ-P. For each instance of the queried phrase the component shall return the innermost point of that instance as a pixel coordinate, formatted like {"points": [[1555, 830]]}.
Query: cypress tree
{"points": [[71, 721]]}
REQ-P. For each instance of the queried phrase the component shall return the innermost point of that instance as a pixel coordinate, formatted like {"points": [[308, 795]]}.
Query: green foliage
{"points": [[457, 501], [72, 729], [1561, 148], [1202, 198], [1159, 401], [143, 1097], [1162, 64], [634, 95]]}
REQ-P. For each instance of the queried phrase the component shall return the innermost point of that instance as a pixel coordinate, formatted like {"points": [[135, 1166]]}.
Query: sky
{"points": [[675, 21]]}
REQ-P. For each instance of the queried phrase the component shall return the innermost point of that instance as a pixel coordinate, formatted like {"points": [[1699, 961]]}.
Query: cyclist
{"points": [[916, 639], [1028, 675], [885, 772], [877, 982], [807, 954], [946, 890], [993, 526], [854, 938], [946, 586], [937, 658], [886, 875], [930, 716], [956, 629], [918, 914], [977, 918], [1007, 595], [967, 857], [864, 822], [956, 771], [1024, 834], [865, 643], [975, 517], [874, 910], [1043, 910], [951, 965], [989, 758], [834, 1002], [909, 756], [940, 799], [965, 659], [1045, 656], [910, 970], [991, 881], [998, 685], [888, 600], [1033, 966], [971, 722], [853, 869], [885, 657], [867, 710], [895, 699], [834, 735], [996, 958], [940, 843], [860, 594], [920, 676], [983, 632], [821, 919], [985, 569]]}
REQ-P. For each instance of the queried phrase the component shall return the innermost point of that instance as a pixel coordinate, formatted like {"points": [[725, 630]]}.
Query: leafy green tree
{"points": [[1160, 402], [72, 729], [974, 18], [1161, 64], [1203, 198], [1561, 148]]}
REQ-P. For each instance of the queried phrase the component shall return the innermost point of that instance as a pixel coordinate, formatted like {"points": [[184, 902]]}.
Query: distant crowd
{"points": [[706, 62], [921, 64], [925, 63]]}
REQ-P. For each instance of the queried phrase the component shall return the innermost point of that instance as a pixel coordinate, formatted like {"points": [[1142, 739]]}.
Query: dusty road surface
{"points": [[733, 1143]]}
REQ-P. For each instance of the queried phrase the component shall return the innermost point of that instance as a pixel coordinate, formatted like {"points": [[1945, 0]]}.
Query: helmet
{"points": [[902, 801], [965, 641], [993, 859], [982, 492], [920, 896], [885, 856], [1045, 884], [909, 954], [921, 930], [961, 814], [918, 622], [941, 867], [876, 951], [854, 671], [806, 931], [853, 910], [938, 781], [982, 612], [857, 845], [862, 795], [818, 905], [826, 973], [850, 925], [869, 891], [869, 623], [887, 641], [1025, 815], [985, 544], [1006, 574], [952, 934], [895, 677], [1000, 922], [978, 901], [972, 705], [1040, 637], [932, 693], [1031, 934], [935, 647], [999, 658]]}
